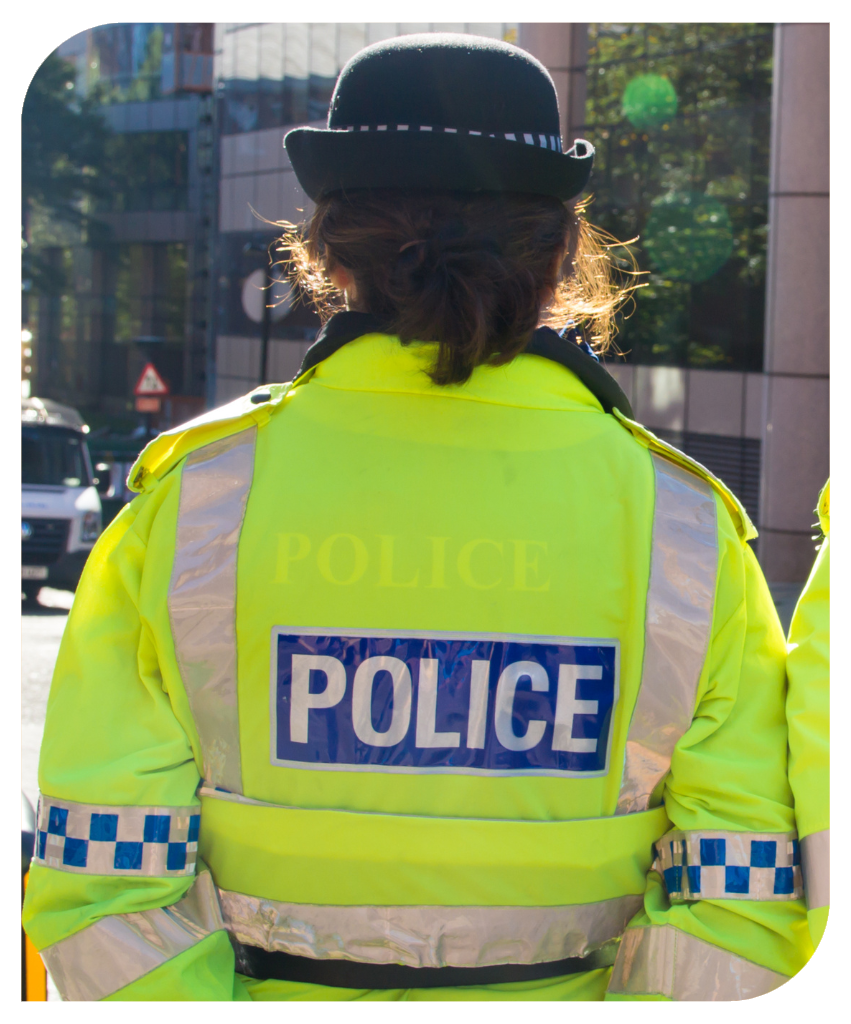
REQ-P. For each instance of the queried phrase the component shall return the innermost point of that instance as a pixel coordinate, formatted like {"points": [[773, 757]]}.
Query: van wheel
{"points": [[30, 592]]}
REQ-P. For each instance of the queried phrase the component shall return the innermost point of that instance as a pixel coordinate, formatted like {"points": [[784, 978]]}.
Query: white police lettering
{"points": [[427, 735], [477, 717], [483, 703], [302, 700], [506, 691], [568, 705], [362, 702]]}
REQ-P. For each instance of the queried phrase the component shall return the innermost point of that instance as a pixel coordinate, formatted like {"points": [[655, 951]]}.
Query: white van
{"points": [[60, 506]]}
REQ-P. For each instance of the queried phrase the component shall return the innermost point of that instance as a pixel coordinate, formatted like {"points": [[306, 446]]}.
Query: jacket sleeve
{"points": [[723, 916], [117, 902], [808, 712]]}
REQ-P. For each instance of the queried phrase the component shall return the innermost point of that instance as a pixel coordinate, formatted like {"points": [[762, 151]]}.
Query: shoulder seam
{"points": [[167, 450], [741, 519]]}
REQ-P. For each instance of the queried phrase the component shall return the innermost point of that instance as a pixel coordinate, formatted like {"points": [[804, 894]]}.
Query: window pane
{"points": [[126, 62], [147, 171], [52, 456], [150, 292], [680, 117], [352, 38], [492, 29], [323, 70], [378, 31], [247, 52], [272, 52], [298, 44], [295, 82], [323, 50]]}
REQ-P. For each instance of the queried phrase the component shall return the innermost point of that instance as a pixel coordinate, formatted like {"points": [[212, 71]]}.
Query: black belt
{"points": [[255, 962]]}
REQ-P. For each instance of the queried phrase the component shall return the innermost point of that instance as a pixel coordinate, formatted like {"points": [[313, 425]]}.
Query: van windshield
{"points": [[53, 456]]}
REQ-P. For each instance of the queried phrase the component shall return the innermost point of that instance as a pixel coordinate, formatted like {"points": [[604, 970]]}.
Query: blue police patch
{"points": [[468, 703]]}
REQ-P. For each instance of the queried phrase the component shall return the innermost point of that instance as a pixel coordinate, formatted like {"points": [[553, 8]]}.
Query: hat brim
{"points": [[327, 161]]}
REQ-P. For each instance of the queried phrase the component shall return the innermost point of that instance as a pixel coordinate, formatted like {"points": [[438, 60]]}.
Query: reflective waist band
{"points": [[344, 858], [259, 963], [426, 937], [424, 892]]}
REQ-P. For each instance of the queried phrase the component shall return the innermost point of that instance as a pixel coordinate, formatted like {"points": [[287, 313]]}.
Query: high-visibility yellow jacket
{"points": [[384, 672], [808, 711]]}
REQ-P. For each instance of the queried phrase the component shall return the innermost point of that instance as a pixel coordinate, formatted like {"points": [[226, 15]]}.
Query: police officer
{"points": [[430, 674], [808, 711]]}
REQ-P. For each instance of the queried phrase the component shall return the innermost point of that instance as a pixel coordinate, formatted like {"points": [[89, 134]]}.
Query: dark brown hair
{"points": [[470, 271]]}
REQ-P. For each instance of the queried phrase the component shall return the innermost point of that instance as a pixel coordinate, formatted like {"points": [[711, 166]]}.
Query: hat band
{"points": [[552, 142]]}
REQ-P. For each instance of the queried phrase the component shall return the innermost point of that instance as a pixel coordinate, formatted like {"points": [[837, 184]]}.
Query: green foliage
{"points": [[63, 145], [146, 171], [648, 101], [688, 236], [150, 291], [704, 300], [143, 86]]}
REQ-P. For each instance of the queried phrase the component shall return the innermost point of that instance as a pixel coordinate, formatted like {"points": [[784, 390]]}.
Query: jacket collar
{"points": [[349, 325]]}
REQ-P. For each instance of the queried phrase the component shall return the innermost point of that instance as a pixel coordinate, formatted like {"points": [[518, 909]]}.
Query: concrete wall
{"points": [[238, 363], [795, 430], [725, 403], [561, 47], [255, 172]]}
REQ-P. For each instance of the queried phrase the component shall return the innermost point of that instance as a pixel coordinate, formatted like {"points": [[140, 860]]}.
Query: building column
{"points": [[795, 438], [562, 48]]}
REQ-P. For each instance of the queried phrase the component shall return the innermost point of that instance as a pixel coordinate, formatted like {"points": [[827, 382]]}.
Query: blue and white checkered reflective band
{"points": [[730, 865], [538, 139], [106, 840]]}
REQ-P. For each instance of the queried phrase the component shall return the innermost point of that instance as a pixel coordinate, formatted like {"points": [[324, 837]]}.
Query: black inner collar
{"points": [[348, 325]]}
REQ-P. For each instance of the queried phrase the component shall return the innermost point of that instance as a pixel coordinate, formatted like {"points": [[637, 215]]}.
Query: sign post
{"points": [[150, 387]]}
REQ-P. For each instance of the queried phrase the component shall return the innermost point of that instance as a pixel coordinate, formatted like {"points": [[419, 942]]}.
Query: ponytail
{"points": [[468, 271]]}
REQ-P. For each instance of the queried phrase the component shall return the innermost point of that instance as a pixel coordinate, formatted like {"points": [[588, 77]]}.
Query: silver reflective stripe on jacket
{"points": [[427, 936], [99, 839], [115, 951], [202, 596], [662, 960], [680, 600], [815, 857], [716, 865]]}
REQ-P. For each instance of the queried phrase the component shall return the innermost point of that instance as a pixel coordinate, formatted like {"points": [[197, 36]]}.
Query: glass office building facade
{"points": [[133, 286], [688, 121], [273, 75]]}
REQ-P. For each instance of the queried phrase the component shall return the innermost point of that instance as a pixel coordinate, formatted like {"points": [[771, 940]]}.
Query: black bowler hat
{"points": [[441, 111]]}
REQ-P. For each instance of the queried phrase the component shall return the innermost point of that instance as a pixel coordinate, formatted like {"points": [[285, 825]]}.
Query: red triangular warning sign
{"points": [[150, 383]]}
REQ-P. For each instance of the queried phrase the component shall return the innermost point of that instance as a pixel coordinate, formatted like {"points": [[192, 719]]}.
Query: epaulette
{"points": [[741, 520], [163, 453]]}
